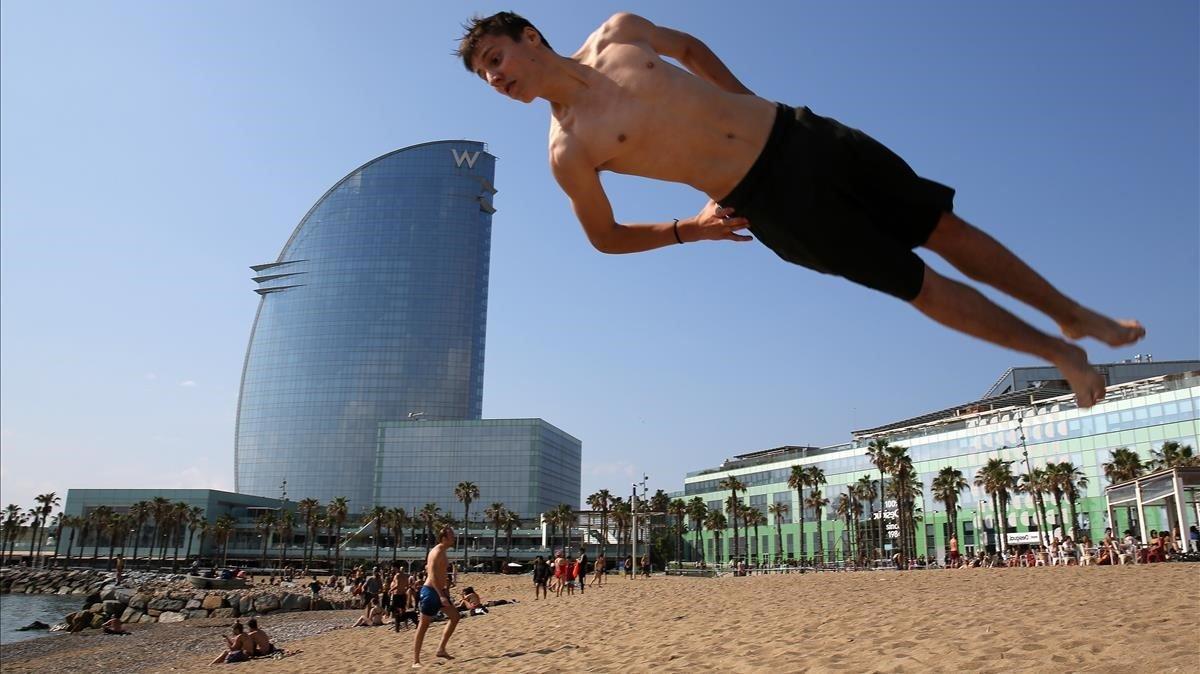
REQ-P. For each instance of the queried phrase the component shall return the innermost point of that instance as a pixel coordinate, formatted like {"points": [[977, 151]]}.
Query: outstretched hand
{"points": [[714, 223]]}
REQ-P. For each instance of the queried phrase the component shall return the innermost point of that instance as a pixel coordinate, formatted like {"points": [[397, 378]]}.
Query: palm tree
{"points": [[778, 511], [1124, 465], [734, 485], [283, 528], [1173, 455], [203, 526], [1074, 481], [1035, 483], [495, 514], [265, 523], [600, 502], [756, 518], [223, 529], [900, 465], [309, 510], [73, 523], [179, 516], [996, 479], [58, 523], [138, 513], [843, 507], [467, 492], [567, 520], [798, 480], [429, 512], [13, 521], [116, 528], [376, 515], [46, 504], [159, 507], [195, 515], [396, 518], [733, 506], [946, 487], [511, 521], [865, 488], [677, 509], [622, 515], [35, 519], [696, 512], [100, 517], [715, 522], [1056, 481], [817, 501], [814, 477], [337, 512], [878, 451]]}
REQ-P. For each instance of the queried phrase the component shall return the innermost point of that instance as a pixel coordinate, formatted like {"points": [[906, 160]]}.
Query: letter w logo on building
{"points": [[469, 157]]}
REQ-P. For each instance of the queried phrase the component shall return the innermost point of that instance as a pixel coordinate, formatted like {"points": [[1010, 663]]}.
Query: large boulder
{"points": [[192, 603], [164, 604], [211, 602], [294, 602], [196, 613], [97, 621], [183, 595], [227, 612], [170, 617], [130, 615], [113, 607], [147, 618], [245, 604], [98, 607], [124, 594], [108, 592], [266, 603], [140, 600]]}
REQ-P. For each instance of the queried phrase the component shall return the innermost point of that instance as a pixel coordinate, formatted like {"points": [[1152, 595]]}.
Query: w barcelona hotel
{"points": [[1029, 419]]}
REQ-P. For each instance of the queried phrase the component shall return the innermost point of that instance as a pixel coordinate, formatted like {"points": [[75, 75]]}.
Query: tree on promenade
{"points": [[778, 512], [466, 492], [734, 485], [495, 514]]}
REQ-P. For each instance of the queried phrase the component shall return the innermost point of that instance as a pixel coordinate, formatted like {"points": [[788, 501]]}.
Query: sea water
{"points": [[18, 610]]}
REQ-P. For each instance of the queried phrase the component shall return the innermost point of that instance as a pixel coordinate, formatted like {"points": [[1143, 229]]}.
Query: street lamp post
{"points": [[1037, 512]]}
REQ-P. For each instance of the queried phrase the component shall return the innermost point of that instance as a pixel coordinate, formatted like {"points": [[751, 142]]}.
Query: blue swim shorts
{"points": [[430, 602]]}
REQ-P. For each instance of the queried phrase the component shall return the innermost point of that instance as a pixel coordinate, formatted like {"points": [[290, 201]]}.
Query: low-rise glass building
{"points": [[1139, 415]]}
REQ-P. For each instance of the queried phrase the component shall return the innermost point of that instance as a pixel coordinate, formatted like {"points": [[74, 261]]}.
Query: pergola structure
{"points": [[1175, 488]]}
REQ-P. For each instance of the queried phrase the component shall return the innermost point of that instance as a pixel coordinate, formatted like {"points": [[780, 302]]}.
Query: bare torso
{"points": [[436, 565], [641, 115]]}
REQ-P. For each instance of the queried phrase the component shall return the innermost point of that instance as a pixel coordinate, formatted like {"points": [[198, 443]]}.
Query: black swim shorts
{"points": [[833, 199]]}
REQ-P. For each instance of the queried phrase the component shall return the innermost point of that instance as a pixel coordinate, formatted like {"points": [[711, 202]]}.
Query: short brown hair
{"points": [[446, 529], [502, 23]]}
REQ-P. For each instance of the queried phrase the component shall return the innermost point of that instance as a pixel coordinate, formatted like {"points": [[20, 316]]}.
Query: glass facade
{"points": [[374, 311], [527, 464], [1140, 416]]}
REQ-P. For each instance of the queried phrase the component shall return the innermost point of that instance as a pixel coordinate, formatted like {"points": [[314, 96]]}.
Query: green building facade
{"points": [[1139, 415]]}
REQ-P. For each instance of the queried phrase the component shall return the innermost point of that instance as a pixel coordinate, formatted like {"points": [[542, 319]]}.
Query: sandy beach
{"points": [[1044, 619]]}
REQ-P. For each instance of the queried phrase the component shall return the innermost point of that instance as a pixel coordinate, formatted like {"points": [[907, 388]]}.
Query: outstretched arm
{"points": [[689, 51], [579, 179]]}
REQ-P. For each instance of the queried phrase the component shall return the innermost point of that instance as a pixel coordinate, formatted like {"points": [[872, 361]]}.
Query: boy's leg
{"points": [[453, 616], [422, 626], [963, 308], [984, 259]]}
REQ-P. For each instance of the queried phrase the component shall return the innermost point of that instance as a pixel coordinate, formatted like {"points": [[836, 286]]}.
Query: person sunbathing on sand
{"points": [[239, 647], [262, 642], [114, 626]]}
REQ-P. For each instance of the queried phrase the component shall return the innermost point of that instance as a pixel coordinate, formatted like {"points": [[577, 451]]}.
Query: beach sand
{"points": [[1129, 618]]}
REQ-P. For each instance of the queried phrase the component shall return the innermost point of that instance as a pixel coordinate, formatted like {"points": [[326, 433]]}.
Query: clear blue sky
{"points": [[152, 151]]}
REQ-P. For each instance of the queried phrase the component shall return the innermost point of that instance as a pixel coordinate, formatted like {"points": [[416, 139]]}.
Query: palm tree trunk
{"points": [[1062, 523], [508, 548], [200, 546], [996, 519], [187, 554], [70, 544], [800, 511], [1071, 499], [495, 537]]}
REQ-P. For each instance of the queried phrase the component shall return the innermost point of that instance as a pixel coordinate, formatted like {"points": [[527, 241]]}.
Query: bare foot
{"points": [[1086, 383], [444, 654], [1088, 323]]}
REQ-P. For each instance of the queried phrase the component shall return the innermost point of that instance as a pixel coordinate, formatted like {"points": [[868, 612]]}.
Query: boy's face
{"points": [[511, 67]]}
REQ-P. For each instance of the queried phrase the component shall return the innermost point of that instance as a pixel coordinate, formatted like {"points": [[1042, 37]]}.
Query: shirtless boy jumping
{"points": [[435, 596], [817, 193]]}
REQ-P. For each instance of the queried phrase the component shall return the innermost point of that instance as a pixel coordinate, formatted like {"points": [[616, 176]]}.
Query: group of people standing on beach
{"points": [[563, 573]]}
